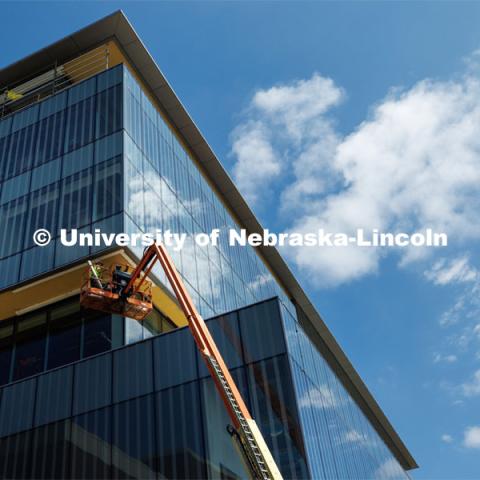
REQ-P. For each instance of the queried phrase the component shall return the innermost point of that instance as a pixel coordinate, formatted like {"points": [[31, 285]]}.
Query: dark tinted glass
{"points": [[91, 445], [275, 411], [109, 111], [30, 348], [12, 221], [79, 121], [95, 371], [176, 352], [223, 458], [108, 188], [226, 334], [18, 402], [76, 200], [15, 456], [65, 335], [132, 371], [50, 137], [134, 452], [42, 211], [180, 436], [261, 329], [54, 396], [97, 335], [50, 451], [21, 151], [6, 343]]}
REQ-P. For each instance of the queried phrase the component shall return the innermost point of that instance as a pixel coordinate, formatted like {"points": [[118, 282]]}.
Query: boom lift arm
{"points": [[245, 432]]}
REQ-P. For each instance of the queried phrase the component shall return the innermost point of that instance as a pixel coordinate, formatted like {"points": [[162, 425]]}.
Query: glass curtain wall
{"points": [[60, 167], [340, 441], [150, 410], [164, 189]]}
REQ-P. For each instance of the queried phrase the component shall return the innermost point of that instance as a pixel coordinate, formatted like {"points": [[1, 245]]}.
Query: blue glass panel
{"points": [[96, 371], [25, 117], [261, 330], [54, 396], [12, 219], [108, 147], [43, 211], [107, 192], [37, 260], [109, 111], [76, 200], [21, 151], [175, 359], [15, 456], [82, 91], [50, 137], [110, 78], [226, 334], [223, 457], [275, 411], [15, 187], [91, 444], [17, 406], [65, 254], [180, 437], [53, 104], [80, 124], [46, 174], [50, 452], [5, 126], [133, 455], [108, 225], [77, 160], [132, 371]]}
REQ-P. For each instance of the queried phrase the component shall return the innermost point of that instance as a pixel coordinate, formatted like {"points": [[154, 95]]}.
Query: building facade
{"points": [[94, 139]]}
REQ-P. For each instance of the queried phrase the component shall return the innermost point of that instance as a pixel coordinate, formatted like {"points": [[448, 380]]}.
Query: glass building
{"points": [[92, 137]]}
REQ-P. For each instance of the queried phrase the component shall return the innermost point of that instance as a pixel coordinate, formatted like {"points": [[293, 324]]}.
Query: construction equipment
{"points": [[102, 289], [129, 293]]}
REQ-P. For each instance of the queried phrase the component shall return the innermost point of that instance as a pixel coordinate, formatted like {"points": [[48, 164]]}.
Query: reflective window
{"points": [[64, 335], [50, 452], [15, 455], [134, 452], [91, 445], [6, 343], [30, 347], [97, 336], [179, 426], [80, 124]]}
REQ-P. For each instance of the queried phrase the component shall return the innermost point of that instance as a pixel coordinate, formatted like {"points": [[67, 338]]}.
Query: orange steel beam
{"points": [[201, 334]]}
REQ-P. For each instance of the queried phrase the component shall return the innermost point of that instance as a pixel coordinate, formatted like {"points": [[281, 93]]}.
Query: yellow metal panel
{"points": [[66, 283]]}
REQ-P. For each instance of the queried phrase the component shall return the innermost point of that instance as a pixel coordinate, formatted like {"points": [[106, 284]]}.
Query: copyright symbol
{"points": [[42, 237]]}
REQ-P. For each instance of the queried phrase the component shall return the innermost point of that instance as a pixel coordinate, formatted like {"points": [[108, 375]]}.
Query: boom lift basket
{"points": [[102, 290]]}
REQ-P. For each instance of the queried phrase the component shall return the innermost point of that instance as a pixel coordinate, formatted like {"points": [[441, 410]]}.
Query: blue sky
{"points": [[408, 322]]}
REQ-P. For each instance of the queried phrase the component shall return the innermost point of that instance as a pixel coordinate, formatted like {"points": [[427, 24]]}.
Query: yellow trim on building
{"points": [[50, 289]]}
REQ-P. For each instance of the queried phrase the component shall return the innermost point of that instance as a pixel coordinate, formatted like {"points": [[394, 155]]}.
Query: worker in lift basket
{"points": [[120, 278], [96, 272]]}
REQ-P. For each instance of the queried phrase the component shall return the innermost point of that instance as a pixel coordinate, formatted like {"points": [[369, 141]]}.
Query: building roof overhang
{"points": [[116, 26]]}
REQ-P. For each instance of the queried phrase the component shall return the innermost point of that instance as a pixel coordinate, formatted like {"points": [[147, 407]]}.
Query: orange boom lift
{"points": [[127, 292]]}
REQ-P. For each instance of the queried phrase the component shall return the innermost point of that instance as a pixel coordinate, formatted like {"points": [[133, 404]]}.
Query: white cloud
{"points": [[414, 163], [319, 397], [456, 270], [446, 438], [472, 388], [471, 437], [257, 163], [438, 358], [389, 469]]}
